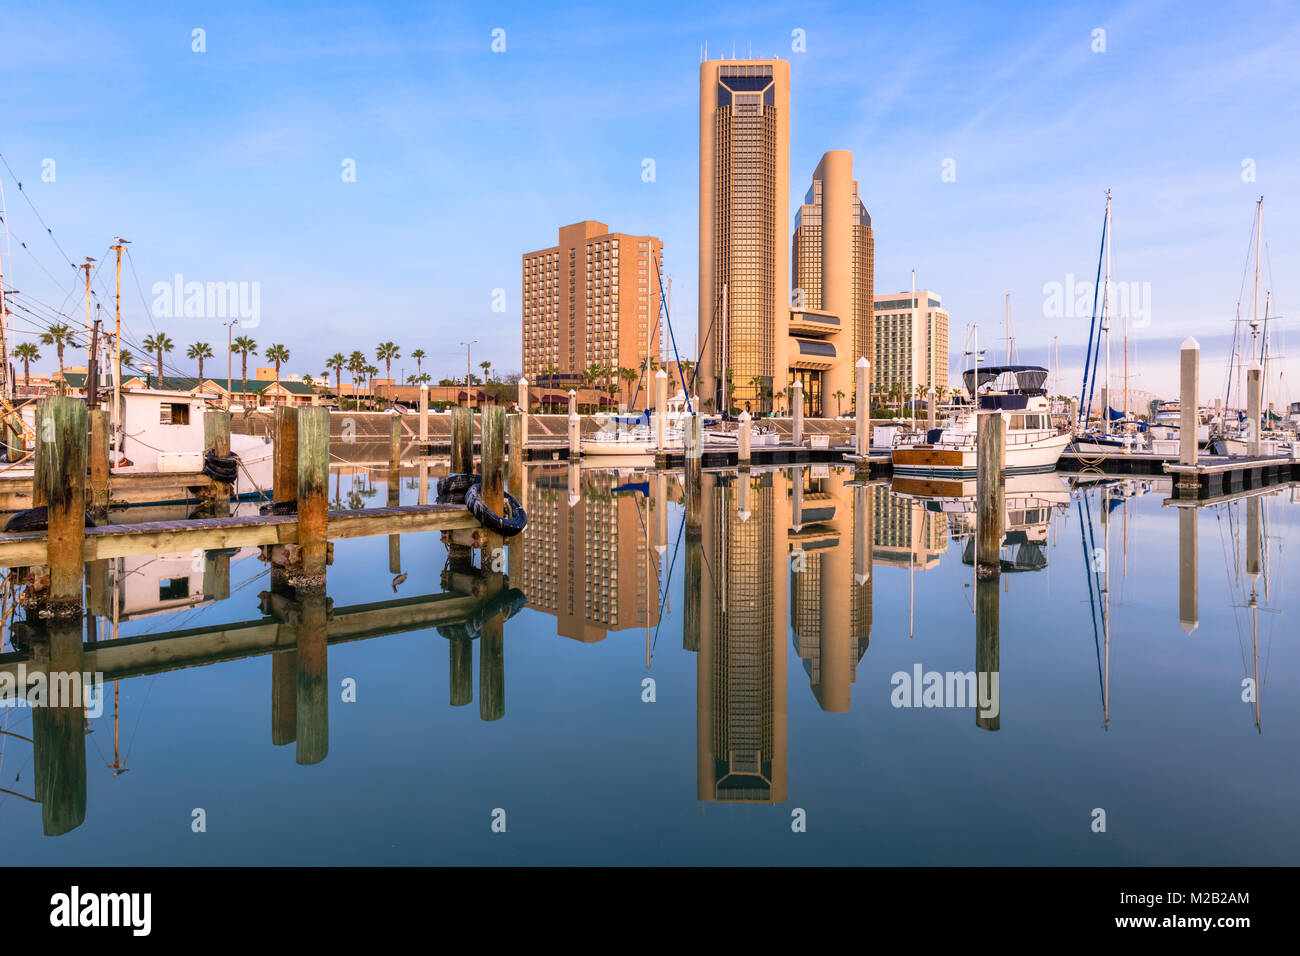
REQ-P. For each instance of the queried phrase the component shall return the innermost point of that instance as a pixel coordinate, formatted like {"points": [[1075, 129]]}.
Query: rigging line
{"points": [[668, 580], [131, 743], [1092, 605], [139, 288], [1092, 324], [48, 230], [11, 234]]}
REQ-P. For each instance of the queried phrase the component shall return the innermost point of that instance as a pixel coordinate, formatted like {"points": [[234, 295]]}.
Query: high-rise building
{"points": [[911, 346], [590, 301], [831, 268], [744, 218]]}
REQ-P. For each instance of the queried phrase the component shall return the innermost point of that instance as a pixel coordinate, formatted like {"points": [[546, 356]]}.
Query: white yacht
{"points": [[1033, 444]]}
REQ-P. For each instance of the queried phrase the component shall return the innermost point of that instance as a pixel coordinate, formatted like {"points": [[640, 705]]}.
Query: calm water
{"points": [[772, 635]]}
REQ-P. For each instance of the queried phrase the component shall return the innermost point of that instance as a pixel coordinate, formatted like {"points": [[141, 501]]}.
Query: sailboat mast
{"points": [[1254, 314], [1105, 321], [722, 405]]}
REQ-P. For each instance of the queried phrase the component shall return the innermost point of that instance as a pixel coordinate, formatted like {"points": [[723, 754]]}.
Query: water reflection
{"points": [[783, 565]]}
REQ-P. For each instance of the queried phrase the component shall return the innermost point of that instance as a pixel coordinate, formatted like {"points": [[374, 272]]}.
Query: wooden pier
{"points": [[296, 542]]}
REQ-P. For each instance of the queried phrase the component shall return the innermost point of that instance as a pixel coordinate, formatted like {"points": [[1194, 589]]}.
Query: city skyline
{"points": [[247, 142]]}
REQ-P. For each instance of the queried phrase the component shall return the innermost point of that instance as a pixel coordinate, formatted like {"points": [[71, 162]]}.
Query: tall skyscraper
{"points": [[911, 346], [591, 301], [832, 270], [744, 218]]}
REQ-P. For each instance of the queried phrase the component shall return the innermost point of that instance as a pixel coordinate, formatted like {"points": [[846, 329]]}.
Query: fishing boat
{"points": [[1033, 443], [160, 432]]}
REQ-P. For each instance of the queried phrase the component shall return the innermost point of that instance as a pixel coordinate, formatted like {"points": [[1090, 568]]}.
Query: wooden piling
{"points": [[216, 439], [284, 697], [59, 732], [216, 575], [575, 436], [461, 670], [313, 494], [61, 430], [987, 654], [284, 479], [661, 409], [312, 691], [493, 441], [990, 492], [515, 442], [394, 458], [491, 672], [462, 441], [743, 437], [100, 428]]}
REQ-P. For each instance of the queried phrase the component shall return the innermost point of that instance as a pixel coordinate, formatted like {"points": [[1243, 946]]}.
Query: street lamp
{"points": [[468, 400], [230, 352]]}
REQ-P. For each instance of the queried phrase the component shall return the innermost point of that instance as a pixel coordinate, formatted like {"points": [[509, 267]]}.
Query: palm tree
{"points": [[200, 351], [338, 363], [838, 396], [27, 353], [245, 347], [356, 365], [60, 336], [628, 375], [418, 355], [158, 344], [277, 354], [386, 352], [372, 372]]}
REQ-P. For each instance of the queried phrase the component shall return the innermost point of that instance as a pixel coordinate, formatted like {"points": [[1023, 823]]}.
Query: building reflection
{"points": [[589, 552]]}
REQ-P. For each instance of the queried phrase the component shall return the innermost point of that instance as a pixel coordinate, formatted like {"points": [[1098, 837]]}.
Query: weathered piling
{"points": [[312, 691], [394, 458], [1189, 385], [493, 441], [313, 494], [216, 575], [284, 462], [988, 708], [515, 442], [461, 670], [284, 697], [1253, 398], [575, 435], [930, 410], [101, 426], [216, 439], [61, 429], [462, 441], [59, 726], [573, 403], [990, 492], [491, 671], [797, 403], [1188, 557]]}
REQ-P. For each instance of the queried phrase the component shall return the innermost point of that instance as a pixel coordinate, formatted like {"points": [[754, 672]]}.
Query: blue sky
{"points": [[226, 165]]}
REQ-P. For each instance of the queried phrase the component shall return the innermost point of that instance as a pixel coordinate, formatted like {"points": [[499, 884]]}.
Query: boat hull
{"points": [[958, 461]]}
